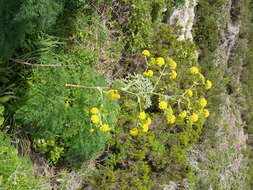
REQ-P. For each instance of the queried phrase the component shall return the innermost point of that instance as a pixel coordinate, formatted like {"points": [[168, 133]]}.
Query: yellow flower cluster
{"points": [[208, 84], [144, 124], [148, 73], [202, 102], [194, 117], [206, 113], [171, 119], [163, 105], [146, 53], [95, 119], [113, 94], [172, 63], [105, 128], [194, 70], [142, 116], [134, 132], [189, 93], [173, 74], [182, 114], [160, 61], [94, 110]]}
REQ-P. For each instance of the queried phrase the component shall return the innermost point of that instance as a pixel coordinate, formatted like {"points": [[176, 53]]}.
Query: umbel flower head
{"points": [[173, 74], [113, 94], [148, 73], [172, 63], [160, 61], [95, 119], [171, 119], [105, 128], [206, 113], [194, 70], [189, 93], [146, 53], [163, 105], [194, 117], [134, 132], [182, 114], [202, 102], [94, 110], [208, 84], [142, 115]]}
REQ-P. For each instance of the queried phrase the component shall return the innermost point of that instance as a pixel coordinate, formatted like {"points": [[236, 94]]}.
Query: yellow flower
{"points": [[194, 70], [148, 121], [91, 130], [152, 61], [134, 132], [146, 53], [94, 110], [163, 105], [189, 93], [202, 102], [208, 84], [194, 117], [105, 128], [173, 74], [142, 115], [113, 94], [95, 119], [183, 114], [172, 63], [171, 119], [148, 73], [145, 128], [160, 61], [206, 113]]}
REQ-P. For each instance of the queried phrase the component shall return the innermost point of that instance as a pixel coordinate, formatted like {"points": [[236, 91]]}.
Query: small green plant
{"points": [[15, 172]]}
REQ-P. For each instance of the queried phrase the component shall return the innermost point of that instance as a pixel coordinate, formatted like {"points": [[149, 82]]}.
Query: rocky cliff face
{"points": [[184, 17], [226, 153]]}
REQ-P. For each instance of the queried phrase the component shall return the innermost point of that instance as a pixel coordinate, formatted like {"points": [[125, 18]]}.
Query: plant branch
{"points": [[41, 65]]}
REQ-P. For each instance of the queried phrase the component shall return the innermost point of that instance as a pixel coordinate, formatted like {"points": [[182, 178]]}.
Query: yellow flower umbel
{"points": [[173, 74], [142, 115], [113, 94], [95, 119], [104, 128], [148, 73], [206, 113], [208, 84], [171, 119], [94, 110], [202, 102], [172, 63], [163, 105], [194, 70], [160, 61], [145, 127], [148, 121], [182, 114], [194, 117], [146, 53], [189, 93], [134, 132]]}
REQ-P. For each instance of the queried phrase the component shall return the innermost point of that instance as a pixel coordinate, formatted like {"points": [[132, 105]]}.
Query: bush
{"points": [[57, 116], [15, 172]]}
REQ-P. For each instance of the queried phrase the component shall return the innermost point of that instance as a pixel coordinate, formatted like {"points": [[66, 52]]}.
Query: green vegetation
{"points": [[109, 98]]}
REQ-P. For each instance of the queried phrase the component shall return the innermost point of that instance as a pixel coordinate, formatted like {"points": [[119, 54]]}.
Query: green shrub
{"points": [[15, 172], [55, 114]]}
